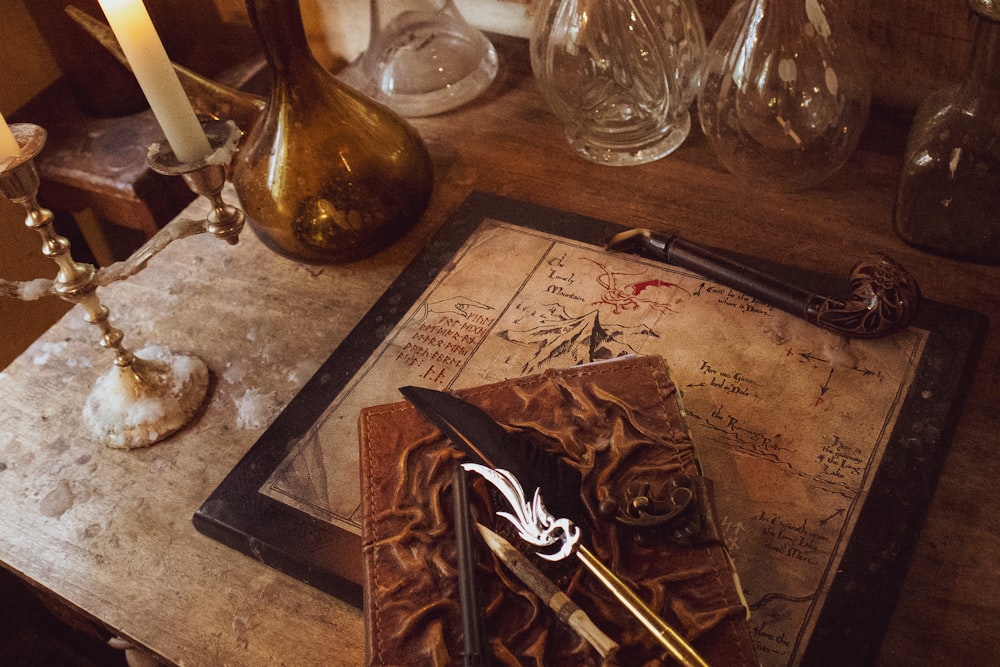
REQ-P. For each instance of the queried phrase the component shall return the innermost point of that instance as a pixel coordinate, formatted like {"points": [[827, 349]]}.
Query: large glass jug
{"points": [[949, 190]]}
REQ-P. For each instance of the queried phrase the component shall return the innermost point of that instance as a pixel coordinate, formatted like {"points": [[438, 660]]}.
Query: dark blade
{"points": [[473, 431]]}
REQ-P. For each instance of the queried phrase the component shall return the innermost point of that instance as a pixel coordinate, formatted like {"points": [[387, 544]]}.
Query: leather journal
{"points": [[621, 424]]}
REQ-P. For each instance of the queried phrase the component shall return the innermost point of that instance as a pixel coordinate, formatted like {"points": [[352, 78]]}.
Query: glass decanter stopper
{"points": [[423, 58], [949, 189], [785, 94], [621, 74], [326, 175]]}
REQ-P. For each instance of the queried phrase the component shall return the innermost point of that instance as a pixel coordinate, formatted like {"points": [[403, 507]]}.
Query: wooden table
{"points": [[109, 532]]}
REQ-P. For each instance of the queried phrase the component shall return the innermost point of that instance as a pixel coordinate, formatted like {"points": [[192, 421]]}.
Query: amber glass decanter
{"points": [[327, 175], [948, 200], [786, 92]]}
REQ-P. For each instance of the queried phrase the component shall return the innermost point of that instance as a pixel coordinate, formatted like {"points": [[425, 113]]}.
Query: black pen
{"points": [[475, 647]]}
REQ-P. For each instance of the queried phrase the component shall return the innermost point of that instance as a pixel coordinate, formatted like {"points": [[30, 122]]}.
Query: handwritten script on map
{"points": [[789, 421]]}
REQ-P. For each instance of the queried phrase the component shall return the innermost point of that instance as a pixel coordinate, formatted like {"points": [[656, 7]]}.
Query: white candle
{"points": [[132, 26], [8, 144]]}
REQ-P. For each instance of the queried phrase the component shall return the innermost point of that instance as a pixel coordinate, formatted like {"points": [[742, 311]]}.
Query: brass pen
{"points": [[669, 638]]}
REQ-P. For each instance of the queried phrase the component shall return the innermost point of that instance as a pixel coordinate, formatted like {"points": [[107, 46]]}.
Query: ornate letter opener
{"points": [[474, 432]]}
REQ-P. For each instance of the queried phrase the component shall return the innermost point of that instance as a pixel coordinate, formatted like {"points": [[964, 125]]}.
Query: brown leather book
{"points": [[621, 425]]}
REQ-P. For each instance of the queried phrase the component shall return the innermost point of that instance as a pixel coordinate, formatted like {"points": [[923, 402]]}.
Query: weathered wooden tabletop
{"points": [[110, 532]]}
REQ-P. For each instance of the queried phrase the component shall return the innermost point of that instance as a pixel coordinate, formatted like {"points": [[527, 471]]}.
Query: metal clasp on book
{"points": [[671, 512]]}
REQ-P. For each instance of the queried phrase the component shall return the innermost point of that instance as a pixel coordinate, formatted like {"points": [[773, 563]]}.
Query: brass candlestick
{"points": [[142, 399]]}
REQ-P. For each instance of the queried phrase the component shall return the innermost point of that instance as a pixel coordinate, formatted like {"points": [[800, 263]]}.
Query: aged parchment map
{"points": [[789, 421]]}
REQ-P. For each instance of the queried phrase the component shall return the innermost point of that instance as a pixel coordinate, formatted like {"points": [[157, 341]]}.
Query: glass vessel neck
{"points": [[984, 62], [279, 25], [794, 19]]}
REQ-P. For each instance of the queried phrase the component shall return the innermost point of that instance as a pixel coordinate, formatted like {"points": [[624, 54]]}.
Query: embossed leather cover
{"points": [[617, 422]]}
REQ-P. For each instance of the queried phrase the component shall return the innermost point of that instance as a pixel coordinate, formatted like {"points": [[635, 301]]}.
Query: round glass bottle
{"points": [[326, 175], [949, 189], [621, 74], [424, 58], [785, 94]]}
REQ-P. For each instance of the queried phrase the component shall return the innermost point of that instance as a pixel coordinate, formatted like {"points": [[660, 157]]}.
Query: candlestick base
{"points": [[144, 402], [148, 396]]}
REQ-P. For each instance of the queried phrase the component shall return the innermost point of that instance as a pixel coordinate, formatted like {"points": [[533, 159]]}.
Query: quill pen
{"points": [[536, 526], [473, 431]]}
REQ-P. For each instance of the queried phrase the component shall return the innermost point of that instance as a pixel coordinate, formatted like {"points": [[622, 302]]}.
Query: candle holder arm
{"points": [[32, 290], [27, 290], [146, 396], [173, 231]]}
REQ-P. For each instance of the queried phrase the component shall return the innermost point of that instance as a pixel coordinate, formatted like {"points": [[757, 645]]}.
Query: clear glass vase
{"points": [[949, 189], [786, 92], [621, 74], [326, 175]]}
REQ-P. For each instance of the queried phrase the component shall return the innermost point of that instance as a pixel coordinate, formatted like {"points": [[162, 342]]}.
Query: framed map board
{"points": [[824, 451]]}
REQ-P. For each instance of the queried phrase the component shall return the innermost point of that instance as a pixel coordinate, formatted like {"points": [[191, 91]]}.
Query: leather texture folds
{"points": [[620, 423]]}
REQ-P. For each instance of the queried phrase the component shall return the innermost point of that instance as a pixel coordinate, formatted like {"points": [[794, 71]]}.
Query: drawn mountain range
{"points": [[564, 340]]}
